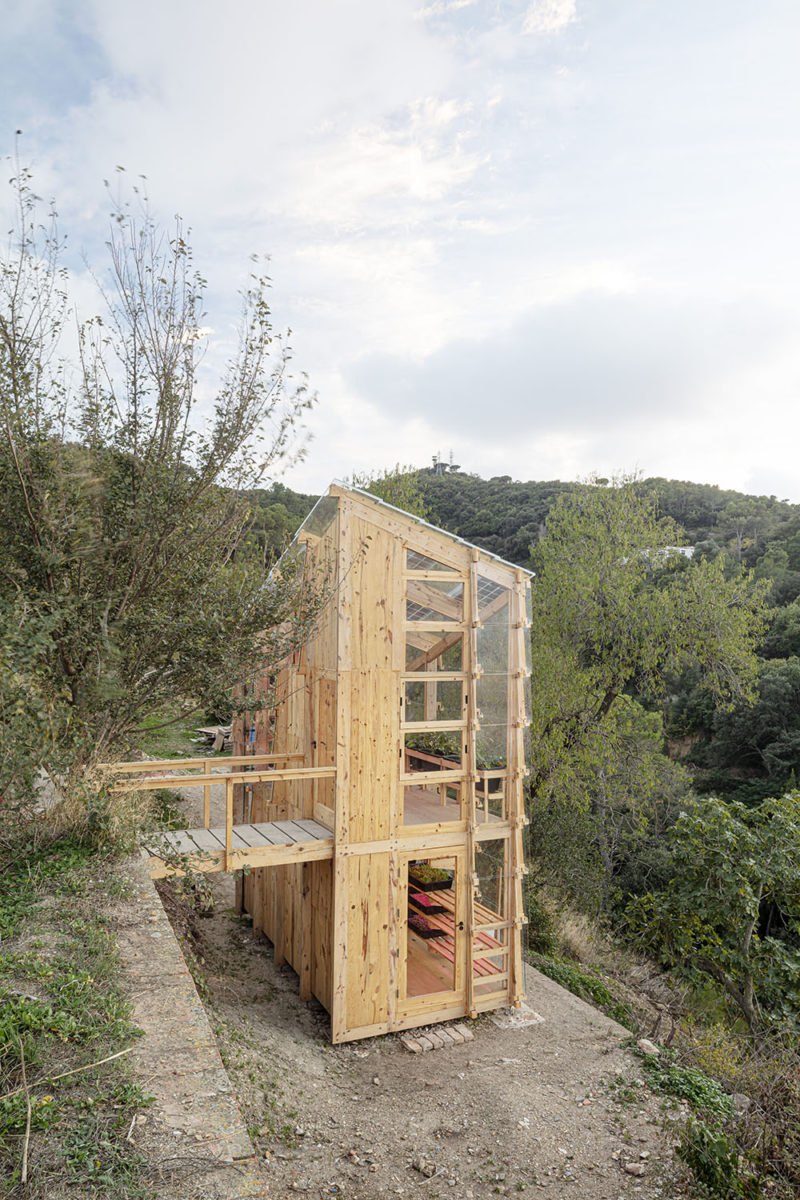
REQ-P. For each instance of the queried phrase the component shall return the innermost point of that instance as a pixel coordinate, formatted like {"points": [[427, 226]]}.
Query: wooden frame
{"points": [[332, 757]]}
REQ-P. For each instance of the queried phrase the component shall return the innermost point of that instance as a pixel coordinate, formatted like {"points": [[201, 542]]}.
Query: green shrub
{"points": [[713, 1159], [667, 1076], [542, 932]]}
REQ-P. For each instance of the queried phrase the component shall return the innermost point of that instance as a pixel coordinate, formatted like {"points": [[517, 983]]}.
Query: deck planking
{"points": [[267, 843]]}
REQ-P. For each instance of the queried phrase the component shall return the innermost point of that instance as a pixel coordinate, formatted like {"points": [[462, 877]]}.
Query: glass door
{"points": [[433, 933]]}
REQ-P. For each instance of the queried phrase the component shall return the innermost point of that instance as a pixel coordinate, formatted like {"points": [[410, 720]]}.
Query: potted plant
{"points": [[425, 878], [420, 900], [423, 928]]}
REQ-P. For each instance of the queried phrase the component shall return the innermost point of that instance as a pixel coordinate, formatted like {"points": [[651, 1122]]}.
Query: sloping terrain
{"points": [[556, 1106]]}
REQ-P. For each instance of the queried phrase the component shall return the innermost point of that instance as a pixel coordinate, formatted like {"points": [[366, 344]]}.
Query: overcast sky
{"points": [[552, 236]]}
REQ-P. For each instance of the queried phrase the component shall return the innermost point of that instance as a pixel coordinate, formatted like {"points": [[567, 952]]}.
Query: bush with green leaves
{"points": [[665, 1074], [730, 911], [713, 1158]]}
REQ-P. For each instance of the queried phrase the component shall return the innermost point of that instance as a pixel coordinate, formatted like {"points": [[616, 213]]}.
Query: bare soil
{"points": [[557, 1107]]}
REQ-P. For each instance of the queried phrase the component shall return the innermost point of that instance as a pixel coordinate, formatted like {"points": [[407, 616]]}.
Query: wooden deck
{"points": [[267, 844]]}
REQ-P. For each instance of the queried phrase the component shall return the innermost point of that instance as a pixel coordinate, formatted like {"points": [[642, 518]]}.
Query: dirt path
{"points": [[515, 1111]]}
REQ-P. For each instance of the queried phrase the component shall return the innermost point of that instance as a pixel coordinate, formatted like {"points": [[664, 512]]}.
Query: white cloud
{"points": [[427, 181], [441, 8], [548, 16]]}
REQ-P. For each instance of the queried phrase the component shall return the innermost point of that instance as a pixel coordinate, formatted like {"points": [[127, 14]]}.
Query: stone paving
{"points": [[436, 1037]]}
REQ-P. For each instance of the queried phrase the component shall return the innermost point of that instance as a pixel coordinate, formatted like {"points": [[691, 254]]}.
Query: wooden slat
{"points": [[324, 815], [179, 842], [273, 833], [208, 839], [239, 838], [258, 856], [313, 828]]}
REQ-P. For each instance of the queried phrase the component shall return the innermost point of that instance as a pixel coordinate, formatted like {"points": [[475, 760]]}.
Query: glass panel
{"points": [[431, 803], [491, 894], [491, 700], [491, 800], [491, 747], [490, 905], [430, 942], [433, 751], [427, 650], [493, 602], [420, 562], [492, 646], [526, 745], [321, 516], [432, 699], [430, 600], [526, 701]]}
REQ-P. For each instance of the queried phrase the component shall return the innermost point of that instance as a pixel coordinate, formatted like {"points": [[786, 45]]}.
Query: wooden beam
{"points": [[433, 652], [169, 781], [471, 780], [517, 659], [172, 764]]}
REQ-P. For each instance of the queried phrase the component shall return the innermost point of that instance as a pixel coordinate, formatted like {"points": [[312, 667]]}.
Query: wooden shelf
{"points": [[446, 945]]}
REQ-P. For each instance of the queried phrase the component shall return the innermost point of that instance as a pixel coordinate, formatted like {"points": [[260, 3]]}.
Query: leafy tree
{"points": [[600, 830], [731, 909], [277, 513], [32, 721], [613, 612], [762, 739], [120, 495], [782, 639]]}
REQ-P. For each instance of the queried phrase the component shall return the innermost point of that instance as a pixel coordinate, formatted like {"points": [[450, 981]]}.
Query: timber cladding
{"points": [[416, 914]]}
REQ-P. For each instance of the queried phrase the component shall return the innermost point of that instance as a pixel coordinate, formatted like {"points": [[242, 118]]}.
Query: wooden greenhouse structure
{"points": [[413, 690], [378, 801]]}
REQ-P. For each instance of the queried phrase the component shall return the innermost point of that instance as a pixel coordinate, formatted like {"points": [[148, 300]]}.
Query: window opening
{"points": [[432, 803], [429, 699], [433, 752], [490, 931]]}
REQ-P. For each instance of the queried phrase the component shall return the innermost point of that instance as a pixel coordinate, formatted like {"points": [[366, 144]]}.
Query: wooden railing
{"points": [[161, 775]]}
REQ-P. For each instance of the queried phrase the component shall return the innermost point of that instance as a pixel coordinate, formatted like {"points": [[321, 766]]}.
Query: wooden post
{"points": [[306, 938], [516, 808], [207, 796], [471, 781], [341, 833], [228, 820]]}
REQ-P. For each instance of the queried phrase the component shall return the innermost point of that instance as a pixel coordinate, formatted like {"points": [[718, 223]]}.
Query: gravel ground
{"points": [[555, 1107]]}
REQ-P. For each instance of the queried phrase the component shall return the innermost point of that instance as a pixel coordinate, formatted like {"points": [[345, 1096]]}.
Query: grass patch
{"points": [[61, 1012], [159, 740], [586, 984]]}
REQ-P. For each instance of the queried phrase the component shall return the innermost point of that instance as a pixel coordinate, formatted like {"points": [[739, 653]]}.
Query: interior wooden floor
{"points": [[423, 806], [426, 971]]}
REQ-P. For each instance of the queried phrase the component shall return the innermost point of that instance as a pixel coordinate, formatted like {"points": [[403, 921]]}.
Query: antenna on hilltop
{"points": [[440, 467]]}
